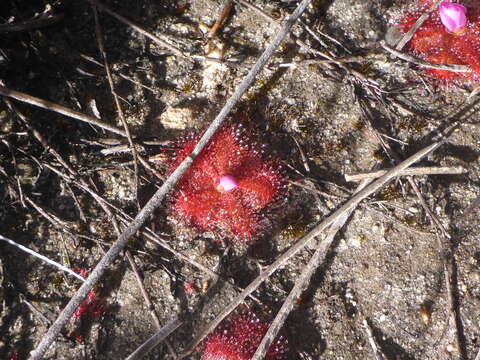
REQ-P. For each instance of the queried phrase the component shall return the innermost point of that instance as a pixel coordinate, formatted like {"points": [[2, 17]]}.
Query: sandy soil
{"points": [[386, 266]]}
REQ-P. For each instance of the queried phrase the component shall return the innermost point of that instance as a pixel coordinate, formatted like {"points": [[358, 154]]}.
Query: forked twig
{"points": [[303, 280], [157, 198]]}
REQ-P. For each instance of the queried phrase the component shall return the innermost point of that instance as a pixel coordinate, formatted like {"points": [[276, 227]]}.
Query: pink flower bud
{"points": [[227, 183], [452, 15]]}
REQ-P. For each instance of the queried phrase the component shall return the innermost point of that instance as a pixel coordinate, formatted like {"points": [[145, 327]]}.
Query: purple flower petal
{"points": [[227, 183], [452, 15]]}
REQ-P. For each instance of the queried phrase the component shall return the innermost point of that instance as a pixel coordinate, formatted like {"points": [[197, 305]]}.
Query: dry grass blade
{"points": [[48, 105], [157, 198], [133, 149], [416, 171], [41, 257]]}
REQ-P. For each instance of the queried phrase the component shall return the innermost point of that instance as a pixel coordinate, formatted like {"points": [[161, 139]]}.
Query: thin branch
{"points": [[159, 41], [157, 198], [300, 244], [423, 63], [303, 280], [40, 138], [45, 19], [41, 257], [378, 355], [46, 322], [448, 266], [146, 296], [409, 34], [429, 212], [227, 8], [17, 178], [81, 213], [98, 198], [54, 220], [446, 257], [397, 221], [118, 73], [302, 155], [353, 59], [48, 105], [133, 149], [316, 35], [104, 206], [257, 10], [152, 342], [417, 171]]}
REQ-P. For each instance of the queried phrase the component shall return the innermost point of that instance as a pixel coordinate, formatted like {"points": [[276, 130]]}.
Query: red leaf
{"points": [[200, 202]]}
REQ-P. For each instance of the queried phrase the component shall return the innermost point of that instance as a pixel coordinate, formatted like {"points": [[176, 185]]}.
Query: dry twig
{"points": [[102, 204], [409, 34], [446, 258], [152, 342], [221, 19], [378, 355], [160, 40], [45, 19], [48, 105], [423, 63], [416, 171], [133, 149]]}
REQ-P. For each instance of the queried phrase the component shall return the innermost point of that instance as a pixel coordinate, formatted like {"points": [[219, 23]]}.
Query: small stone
{"points": [[177, 118]]}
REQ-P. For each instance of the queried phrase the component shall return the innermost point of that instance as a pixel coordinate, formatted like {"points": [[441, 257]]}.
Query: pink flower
{"points": [[227, 183], [452, 15]]}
